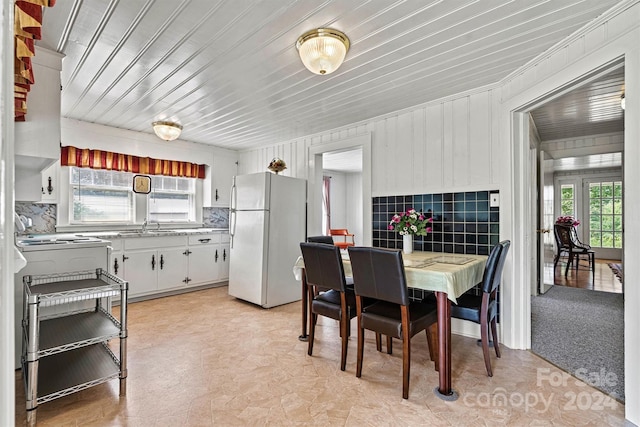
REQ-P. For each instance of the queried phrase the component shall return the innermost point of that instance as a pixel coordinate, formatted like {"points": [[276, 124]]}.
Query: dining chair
{"points": [[325, 272], [483, 309], [379, 274], [567, 242], [344, 244]]}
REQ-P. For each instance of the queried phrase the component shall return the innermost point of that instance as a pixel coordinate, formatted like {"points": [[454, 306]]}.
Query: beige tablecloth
{"points": [[433, 271]]}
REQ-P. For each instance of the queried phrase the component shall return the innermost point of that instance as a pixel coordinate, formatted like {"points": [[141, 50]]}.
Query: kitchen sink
{"points": [[145, 233]]}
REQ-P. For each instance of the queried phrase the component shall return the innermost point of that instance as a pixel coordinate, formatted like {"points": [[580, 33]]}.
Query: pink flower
{"points": [[390, 227], [428, 229]]}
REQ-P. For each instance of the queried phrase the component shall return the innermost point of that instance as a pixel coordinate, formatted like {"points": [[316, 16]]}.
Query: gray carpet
{"points": [[581, 332]]}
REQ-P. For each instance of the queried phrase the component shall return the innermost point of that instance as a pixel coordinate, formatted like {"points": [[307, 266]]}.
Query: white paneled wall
{"points": [[441, 146], [467, 143]]}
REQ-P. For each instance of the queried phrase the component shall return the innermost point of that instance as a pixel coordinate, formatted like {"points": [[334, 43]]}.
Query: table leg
{"points": [[305, 304], [444, 390]]}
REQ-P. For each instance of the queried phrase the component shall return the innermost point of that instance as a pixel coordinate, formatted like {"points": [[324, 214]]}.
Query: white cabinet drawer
{"points": [[154, 242], [203, 239]]}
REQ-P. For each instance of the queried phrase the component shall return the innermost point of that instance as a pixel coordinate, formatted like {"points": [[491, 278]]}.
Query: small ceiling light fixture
{"points": [[622, 103], [322, 50], [167, 130]]}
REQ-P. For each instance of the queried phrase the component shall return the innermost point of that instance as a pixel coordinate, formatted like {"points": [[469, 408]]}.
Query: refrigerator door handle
{"points": [[232, 211]]}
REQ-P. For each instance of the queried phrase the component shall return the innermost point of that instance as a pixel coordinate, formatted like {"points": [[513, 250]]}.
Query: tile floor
{"points": [[204, 358]]}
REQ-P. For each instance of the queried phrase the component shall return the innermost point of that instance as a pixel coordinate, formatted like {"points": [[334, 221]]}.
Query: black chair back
{"points": [[493, 268], [328, 240], [323, 266], [563, 236], [379, 273]]}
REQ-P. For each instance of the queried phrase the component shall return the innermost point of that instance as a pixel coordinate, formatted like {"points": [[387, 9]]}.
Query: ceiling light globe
{"points": [[322, 50], [167, 130]]}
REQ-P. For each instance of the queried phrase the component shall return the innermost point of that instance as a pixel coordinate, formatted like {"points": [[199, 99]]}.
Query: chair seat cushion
{"points": [[386, 318], [328, 304]]}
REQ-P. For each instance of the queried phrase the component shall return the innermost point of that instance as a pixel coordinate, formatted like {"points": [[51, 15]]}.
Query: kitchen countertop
{"points": [[151, 233], [132, 233]]}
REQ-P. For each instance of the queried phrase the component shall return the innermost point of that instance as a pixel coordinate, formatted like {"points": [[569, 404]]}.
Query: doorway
{"points": [[360, 146], [578, 175], [342, 188]]}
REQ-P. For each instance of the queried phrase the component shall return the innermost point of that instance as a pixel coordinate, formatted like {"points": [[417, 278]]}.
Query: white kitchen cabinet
{"points": [[154, 264], [202, 265], [49, 188], [223, 266], [172, 268], [160, 264], [223, 170], [37, 139]]}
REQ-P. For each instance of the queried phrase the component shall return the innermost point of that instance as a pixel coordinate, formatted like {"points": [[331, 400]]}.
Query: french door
{"points": [[603, 210]]}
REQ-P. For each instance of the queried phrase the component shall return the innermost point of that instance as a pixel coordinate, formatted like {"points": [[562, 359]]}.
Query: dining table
{"points": [[447, 275]]}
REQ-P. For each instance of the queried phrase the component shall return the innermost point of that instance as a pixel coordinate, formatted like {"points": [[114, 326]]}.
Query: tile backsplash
{"points": [[215, 217], [463, 223], [43, 216]]}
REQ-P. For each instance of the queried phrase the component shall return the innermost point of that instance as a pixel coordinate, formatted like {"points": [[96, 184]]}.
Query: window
{"points": [[101, 196], [605, 214], [172, 199], [567, 200]]}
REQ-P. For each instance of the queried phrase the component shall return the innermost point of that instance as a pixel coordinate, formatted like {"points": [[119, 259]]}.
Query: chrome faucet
{"points": [[144, 225]]}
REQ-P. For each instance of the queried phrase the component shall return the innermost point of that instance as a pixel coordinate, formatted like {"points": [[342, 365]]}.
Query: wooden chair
{"points": [[325, 272], [379, 275], [344, 233], [567, 242]]}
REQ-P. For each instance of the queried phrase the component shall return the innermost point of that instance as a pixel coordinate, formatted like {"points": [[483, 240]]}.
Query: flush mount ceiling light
{"points": [[167, 130], [322, 50], [622, 103]]}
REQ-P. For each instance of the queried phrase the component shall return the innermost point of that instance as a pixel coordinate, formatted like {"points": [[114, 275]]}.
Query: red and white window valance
{"points": [[98, 159]]}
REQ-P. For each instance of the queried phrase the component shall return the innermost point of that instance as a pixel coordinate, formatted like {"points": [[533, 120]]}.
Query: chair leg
{"points": [[484, 334], [360, 350], [312, 332], [432, 342], [406, 352], [378, 341], [569, 261], [345, 343], [494, 336], [389, 345]]}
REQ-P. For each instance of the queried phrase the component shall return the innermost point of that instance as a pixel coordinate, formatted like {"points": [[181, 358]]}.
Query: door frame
{"points": [[314, 200]]}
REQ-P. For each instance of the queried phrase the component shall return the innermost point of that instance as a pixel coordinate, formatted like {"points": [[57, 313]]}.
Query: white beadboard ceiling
{"points": [[230, 73], [591, 109]]}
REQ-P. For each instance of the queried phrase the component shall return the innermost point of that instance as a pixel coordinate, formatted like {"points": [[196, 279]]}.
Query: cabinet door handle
{"points": [[216, 257], [50, 187], [115, 266], [187, 252], [161, 261], [124, 258], [153, 262], [224, 254], [204, 240], [217, 197]]}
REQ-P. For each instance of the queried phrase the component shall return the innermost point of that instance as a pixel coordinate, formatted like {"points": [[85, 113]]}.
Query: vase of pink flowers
{"points": [[567, 220], [408, 224]]}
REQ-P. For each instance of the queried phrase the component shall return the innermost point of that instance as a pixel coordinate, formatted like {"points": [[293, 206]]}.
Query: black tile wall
{"points": [[463, 223]]}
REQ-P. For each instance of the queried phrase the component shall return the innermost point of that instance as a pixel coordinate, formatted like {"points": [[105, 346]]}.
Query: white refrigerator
{"points": [[267, 223]]}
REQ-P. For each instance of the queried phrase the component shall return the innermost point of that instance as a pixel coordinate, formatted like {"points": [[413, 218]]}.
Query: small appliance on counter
{"points": [[267, 224]]}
